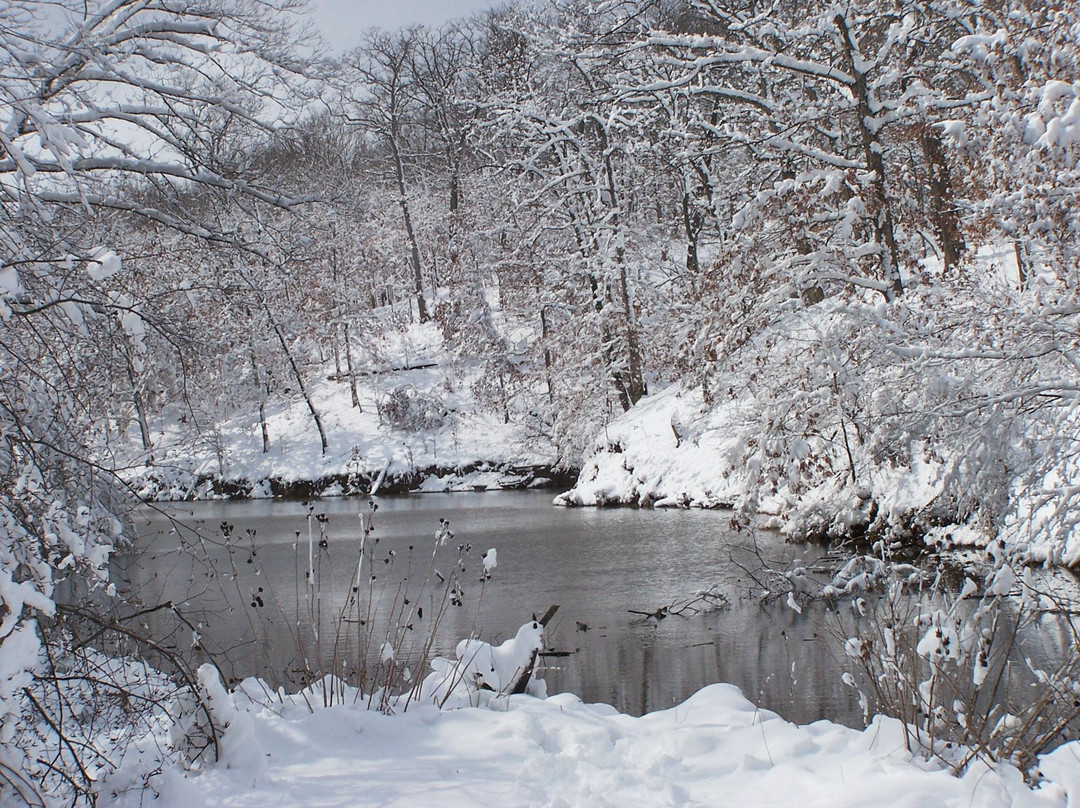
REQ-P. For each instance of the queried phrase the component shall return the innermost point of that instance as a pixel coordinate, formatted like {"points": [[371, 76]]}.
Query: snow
{"points": [[10, 287], [463, 447], [491, 560], [20, 645], [955, 130], [9, 281], [482, 673], [105, 264], [715, 749], [457, 482], [667, 451]]}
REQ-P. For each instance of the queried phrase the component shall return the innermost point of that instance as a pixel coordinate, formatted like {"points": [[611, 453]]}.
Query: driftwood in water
{"points": [[659, 614], [702, 601]]}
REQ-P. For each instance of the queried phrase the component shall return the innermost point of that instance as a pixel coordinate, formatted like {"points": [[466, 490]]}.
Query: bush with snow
{"points": [[410, 410], [960, 667]]}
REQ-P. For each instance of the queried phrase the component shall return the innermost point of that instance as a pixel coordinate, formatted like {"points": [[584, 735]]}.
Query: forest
{"points": [[820, 259]]}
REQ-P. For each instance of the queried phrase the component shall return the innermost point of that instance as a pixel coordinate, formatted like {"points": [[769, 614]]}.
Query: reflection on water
{"points": [[247, 601]]}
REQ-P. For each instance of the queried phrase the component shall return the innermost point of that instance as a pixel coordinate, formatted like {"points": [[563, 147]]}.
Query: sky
{"points": [[342, 22]]}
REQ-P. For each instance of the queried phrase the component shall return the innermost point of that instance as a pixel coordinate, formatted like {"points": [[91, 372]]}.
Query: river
{"points": [[596, 564], [248, 606]]}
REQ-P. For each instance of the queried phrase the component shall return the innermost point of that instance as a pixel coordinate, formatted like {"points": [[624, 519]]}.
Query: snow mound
{"points": [[483, 672], [668, 451]]}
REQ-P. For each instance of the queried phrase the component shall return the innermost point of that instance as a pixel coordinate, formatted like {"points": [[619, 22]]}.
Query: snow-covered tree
{"points": [[381, 93], [120, 121], [572, 255]]}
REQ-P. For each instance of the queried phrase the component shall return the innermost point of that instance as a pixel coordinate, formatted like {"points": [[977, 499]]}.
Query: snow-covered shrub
{"points": [[887, 421], [92, 723], [865, 574], [960, 665], [56, 535], [410, 410], [957, 654]]}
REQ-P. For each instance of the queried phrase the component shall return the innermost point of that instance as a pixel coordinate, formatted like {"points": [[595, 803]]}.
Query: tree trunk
{"points": [[455, 187], [349, 368], [140, 406], [264, 390], [689, 227], [942, 208], [884, 231], [618, 377], [410, 232], [634, 381], [315, 416], [545, 332], [1022, 271]]}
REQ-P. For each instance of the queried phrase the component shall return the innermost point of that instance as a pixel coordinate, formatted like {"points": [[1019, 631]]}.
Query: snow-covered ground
{"points": [[670, 450], [715, 749], [452, 441]]}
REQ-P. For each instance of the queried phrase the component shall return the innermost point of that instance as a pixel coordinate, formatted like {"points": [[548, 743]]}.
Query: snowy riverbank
{"points": [[673, 450], [821, 419], [417, 425], [825, 421], [715, 749]]}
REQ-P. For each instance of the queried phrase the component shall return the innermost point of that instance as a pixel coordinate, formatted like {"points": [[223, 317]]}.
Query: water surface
{"points": [[247, 601]]}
